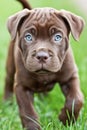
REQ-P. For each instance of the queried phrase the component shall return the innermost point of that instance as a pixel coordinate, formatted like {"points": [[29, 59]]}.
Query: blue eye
{"points": [[57, 38], [28, 37]]}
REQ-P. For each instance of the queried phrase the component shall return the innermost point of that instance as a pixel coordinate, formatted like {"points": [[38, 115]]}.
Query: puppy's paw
{"points": [[33, 126], [67, 117], [63, 116]]}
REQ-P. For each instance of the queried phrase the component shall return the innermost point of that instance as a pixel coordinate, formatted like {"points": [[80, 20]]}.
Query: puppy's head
{"points": [[43, 37]]}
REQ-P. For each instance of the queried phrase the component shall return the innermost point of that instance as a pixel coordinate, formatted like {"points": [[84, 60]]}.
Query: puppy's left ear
{"points": [[14, 22], [76, 23]]}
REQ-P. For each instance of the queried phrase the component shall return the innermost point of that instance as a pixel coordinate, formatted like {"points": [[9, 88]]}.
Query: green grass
{"points": [[49, 106]]}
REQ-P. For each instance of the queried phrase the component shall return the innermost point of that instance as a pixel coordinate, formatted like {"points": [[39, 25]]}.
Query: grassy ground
{"points": [[48, 107]]}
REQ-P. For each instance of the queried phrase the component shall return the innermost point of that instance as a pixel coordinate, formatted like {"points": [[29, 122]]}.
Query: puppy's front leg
{"points": [[73, 102], [25, 102]]}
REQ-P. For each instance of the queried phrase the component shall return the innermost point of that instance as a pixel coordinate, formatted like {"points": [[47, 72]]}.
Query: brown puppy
{"points": [[39, 56]]}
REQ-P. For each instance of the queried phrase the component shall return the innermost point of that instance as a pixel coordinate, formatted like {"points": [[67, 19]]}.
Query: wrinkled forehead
{"points": [[44, 17]]}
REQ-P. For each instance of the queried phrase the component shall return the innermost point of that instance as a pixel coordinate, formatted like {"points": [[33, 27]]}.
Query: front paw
{"points": [[66, 117], [33, 127], [63, 116]]}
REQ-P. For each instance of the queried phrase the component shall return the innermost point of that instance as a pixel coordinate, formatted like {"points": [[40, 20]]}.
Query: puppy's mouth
{"points": [[43, 71]]}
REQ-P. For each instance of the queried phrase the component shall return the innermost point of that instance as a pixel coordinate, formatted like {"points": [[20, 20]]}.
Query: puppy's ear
{"points": [[14, 21], [76, 23]]}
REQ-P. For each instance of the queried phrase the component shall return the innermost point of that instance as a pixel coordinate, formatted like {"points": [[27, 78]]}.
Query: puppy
{"points": [[40, 56]]}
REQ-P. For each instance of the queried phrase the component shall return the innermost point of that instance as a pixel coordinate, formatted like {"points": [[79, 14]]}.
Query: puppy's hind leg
{"points": [[10, 70]]}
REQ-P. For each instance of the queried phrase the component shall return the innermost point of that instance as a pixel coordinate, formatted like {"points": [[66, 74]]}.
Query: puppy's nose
{"points": [[42, 56]]}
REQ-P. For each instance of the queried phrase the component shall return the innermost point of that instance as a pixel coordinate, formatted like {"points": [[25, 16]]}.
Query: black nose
{"points": [[42, 56]]}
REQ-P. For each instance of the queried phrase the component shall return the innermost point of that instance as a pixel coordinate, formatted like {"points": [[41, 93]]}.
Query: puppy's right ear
{"points": [[14, 21]]}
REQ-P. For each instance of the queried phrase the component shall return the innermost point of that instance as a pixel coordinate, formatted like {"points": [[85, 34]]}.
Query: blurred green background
{"points": [[49, 108]]}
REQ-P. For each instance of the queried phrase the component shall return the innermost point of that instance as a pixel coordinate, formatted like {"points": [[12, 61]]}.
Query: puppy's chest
{"points": [[43, 84], [44, 87]]}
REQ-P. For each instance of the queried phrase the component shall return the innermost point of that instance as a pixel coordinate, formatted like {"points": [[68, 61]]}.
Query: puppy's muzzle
{"points": [[43, 55]]}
